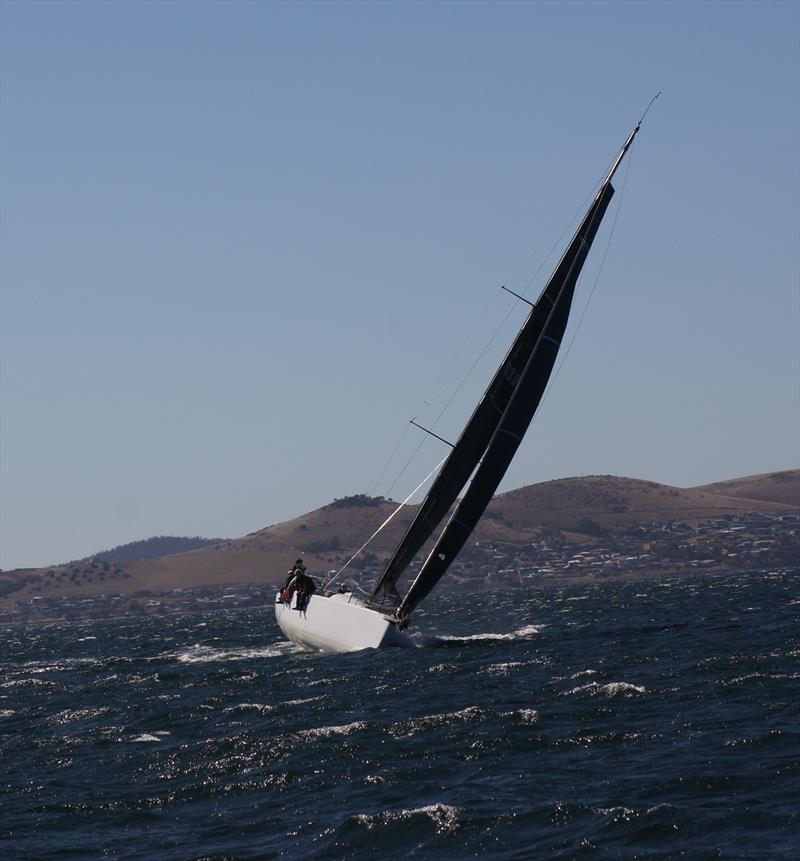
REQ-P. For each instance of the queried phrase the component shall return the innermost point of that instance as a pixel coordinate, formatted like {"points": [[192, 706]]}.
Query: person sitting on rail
{"points": [[305, 588], [288, 588]]}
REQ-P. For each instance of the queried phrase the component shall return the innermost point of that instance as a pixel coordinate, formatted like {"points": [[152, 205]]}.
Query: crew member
{"points": [[288, 586], [305, 588]]}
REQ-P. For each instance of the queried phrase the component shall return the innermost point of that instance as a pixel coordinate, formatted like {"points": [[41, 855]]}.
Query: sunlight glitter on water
{"points": [[495, 740]]}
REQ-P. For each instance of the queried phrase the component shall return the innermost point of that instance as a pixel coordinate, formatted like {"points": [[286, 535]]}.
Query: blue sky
{"points": [[243, 243]]}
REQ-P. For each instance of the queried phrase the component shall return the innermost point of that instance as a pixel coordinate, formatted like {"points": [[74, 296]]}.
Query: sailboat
{"points": [[479, 459]]}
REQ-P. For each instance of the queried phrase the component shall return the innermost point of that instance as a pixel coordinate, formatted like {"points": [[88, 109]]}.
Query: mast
{"points": [[526, 371]]}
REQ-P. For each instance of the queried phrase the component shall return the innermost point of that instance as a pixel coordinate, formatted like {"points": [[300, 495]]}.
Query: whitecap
{"points": [[525, 715], [303, 701], [612, 689], [520, 634], [740, 679], [60, 665], [443, 816], [502, 669], [529, 631], [6, 713], [208, 654], [414, 725], [326, 731], [18, 683], [746, 678], [146, 736], [618, 813], [583, 673], [71, 715], [261, 708]]}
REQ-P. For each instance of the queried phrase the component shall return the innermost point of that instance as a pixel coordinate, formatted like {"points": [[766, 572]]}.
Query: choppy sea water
{"points": [[655, 720]]}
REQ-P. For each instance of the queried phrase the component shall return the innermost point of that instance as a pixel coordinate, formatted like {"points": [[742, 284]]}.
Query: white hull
{"points": [[337, 623]]}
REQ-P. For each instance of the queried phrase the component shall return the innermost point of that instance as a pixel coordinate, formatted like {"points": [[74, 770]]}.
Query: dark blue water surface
{"points": [[622, 720]]}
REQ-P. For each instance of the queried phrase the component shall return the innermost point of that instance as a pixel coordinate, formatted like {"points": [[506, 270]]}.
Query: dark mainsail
{"points": [[552, 312], [484, 421]]}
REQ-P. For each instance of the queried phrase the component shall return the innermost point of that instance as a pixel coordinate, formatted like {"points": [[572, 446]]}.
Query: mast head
{"points": [[630, 140]]}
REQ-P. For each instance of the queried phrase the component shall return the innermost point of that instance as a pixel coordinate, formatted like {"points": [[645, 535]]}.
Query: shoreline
{"points": [[172, 605]]}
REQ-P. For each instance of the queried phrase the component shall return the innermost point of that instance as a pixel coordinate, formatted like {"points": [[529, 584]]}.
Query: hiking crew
{"points": [[298, 581], [305, 588]]}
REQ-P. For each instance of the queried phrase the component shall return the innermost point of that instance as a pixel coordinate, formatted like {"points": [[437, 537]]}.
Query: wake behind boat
{"points": [[342, 622]]}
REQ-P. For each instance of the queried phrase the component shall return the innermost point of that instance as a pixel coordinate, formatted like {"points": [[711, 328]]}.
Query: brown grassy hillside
{"points": [[611, 500], [341, 526], [782, 487]]}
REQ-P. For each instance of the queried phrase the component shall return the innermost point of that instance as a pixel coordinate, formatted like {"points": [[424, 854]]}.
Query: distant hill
{"points": [[782, 487], [152, 548], [328, 536], [614, 501]]}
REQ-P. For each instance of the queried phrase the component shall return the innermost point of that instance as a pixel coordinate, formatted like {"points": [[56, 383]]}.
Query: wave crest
{"points": [[609, 690], [206, 654], [261, 708], [524, 633], [444, 817], [327, 731], [412, 726]]}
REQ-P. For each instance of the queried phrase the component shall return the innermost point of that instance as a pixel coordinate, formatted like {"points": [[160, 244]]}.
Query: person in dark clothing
{"points": [[298, 566], [305, 588], [287, 590]]}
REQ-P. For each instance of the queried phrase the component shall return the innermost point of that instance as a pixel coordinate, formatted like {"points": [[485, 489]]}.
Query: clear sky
{"points": [[244, 243]]}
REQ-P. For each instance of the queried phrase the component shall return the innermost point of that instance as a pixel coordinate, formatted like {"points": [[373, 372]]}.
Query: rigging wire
{"points": [[485, 349], [389, 461], [421, 409], [406, 465], [384, 524], [530, 281], [388, 493]]}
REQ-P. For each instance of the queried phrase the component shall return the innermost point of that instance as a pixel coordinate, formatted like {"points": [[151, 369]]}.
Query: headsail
{"points": [[495, 430]]}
